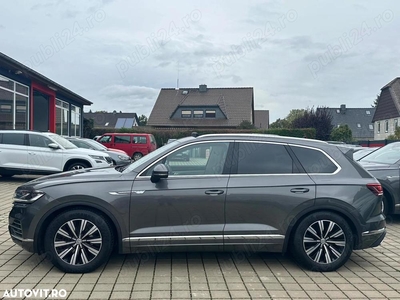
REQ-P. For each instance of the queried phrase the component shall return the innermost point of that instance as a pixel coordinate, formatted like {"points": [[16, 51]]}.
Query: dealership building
{"points": [[31, 101]]}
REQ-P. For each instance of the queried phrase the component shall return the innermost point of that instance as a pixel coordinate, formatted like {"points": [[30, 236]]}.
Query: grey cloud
{"points": [[69, 14], [2, 27]]}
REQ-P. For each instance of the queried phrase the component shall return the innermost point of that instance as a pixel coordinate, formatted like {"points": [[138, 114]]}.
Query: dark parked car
{"points": [[358, 155], [119, 158], [237, 192], [384, 164]]}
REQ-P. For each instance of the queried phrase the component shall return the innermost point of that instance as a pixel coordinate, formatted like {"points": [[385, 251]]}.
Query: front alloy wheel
{"points": [[323, 241], [78, 241]]}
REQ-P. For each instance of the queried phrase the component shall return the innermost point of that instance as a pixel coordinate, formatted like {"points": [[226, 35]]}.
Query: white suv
{"points": [[30, 152]]}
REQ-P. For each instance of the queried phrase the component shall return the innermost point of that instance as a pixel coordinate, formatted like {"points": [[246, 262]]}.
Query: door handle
{"points": [[214, 192], [300, 190]]}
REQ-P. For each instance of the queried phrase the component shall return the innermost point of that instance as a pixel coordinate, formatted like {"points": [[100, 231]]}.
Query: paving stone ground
{"points": [[370, 274]]}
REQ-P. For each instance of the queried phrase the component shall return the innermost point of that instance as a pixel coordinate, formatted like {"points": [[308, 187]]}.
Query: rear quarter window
{"points": [[13, 139], [314, 161]]}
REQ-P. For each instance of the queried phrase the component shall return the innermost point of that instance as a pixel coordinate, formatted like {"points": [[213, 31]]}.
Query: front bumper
{"points": [[19, 221]]}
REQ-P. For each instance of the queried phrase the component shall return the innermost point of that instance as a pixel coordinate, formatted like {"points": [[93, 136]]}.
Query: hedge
{"points": [[162, 135]]}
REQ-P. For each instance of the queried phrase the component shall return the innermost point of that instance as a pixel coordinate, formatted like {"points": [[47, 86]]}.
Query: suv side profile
{"points": [[42, 153], [136, 145], [233, 193]]}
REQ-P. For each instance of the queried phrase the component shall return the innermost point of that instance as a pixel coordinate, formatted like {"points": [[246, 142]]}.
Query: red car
{"points": [[136, 145]]}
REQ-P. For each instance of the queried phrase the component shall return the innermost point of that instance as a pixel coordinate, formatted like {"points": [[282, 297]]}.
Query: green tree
{"points": [[88, 125], [279, 123], [142, 120], [376, 101], [246, 124], [396, 135], [342, 134], [320, 119], [294, 114]]}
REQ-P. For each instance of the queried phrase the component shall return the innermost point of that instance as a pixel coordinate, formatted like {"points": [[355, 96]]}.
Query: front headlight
{"points": [[123, 157], [27, 195], [98, 157]]}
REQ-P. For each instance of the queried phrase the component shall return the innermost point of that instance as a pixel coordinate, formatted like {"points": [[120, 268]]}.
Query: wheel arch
{"points": [[46, 219], [389, 196], [76, 160], [332, 209]]}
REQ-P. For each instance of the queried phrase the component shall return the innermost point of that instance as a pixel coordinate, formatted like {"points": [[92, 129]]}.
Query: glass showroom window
{"points": [[62, 117], [75, 121], [14, 104]]}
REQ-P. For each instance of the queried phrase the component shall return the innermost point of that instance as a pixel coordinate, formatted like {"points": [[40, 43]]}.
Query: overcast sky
{"points": [[296, 54]]}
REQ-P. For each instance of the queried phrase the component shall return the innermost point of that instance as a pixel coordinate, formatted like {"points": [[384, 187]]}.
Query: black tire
{"points": [[334, 249], [136, 156], [78, 255], [77, 166]]}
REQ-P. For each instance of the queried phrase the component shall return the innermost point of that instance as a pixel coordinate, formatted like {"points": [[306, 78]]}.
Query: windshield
{"points": [[389, 154], [63, 142], [96, 145], [150, 156]]}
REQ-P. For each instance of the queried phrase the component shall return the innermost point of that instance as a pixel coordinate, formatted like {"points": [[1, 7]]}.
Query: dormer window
{"points": [[198, 114], [368, 112], [210, 113], [186, 114]]}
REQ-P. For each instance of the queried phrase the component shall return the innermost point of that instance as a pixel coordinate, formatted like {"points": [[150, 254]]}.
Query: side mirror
{"points": [[160, 172], [53, 146]]}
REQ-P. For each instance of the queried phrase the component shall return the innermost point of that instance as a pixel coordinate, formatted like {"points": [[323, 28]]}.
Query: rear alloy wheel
{"points": [[323, 242], [78, 241], [77, 166], [137, 156]]}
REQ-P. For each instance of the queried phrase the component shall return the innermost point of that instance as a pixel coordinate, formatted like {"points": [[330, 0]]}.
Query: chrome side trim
{"points": [[21, 239], [255, 236], [373, 232], [119, 193], [206, 237], [174, 237]]}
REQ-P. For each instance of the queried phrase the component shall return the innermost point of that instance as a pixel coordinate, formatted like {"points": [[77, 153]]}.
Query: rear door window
{"points": [[264, 158], [14, 139], [314, 161], [122, 139]]}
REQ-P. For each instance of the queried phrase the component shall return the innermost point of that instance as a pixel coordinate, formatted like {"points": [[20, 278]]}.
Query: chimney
{"points": [[203, 88], [343, 108]]}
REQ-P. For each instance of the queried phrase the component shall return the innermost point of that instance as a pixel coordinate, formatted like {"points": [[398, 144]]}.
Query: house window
{"points": [[386, 126], [359, 125], [198, 113], [13, 104], [338, 111], [210, 113], [368, 112], [395, 124], [186, 114], [371, 127], [62, 117], [75, 121], [378, 128]]}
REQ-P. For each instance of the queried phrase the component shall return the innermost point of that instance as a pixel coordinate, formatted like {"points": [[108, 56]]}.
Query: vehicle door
{"points": [[43, 158], [266, 190], [13, 151], [187, 208]]}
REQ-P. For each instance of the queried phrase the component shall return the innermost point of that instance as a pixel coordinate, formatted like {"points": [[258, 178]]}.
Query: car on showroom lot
{"points": [[42, 153], [384, 164], [136, 145], [236, 192], [119, 157]]}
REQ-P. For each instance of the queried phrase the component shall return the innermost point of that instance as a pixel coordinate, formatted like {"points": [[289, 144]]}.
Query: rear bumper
{"points": [[372, 238]]}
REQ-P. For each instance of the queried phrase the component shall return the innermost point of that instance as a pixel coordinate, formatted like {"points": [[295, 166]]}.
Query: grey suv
{"points": [[234, 192]]}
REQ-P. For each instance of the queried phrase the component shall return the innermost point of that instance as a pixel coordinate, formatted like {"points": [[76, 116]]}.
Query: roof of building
{"points": [[359, 120], [112, 119], [21, 70], [261, 119], [235, 103], [389, 101]]}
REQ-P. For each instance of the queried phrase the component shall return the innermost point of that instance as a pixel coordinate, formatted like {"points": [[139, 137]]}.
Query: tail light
{"points": [[376, 188]]}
